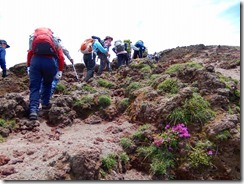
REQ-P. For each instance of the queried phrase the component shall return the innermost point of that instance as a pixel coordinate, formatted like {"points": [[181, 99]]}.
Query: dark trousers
{"points": [[137, 53], [123, 59], [90, 62], [103, 63], [42, 73]]}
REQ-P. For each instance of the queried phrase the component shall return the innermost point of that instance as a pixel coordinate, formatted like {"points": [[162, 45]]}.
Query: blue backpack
{"points": [[139, 43]]}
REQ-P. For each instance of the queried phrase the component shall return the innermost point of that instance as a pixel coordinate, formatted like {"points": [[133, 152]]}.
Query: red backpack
{"points": [[43, 42], [86, 46]]}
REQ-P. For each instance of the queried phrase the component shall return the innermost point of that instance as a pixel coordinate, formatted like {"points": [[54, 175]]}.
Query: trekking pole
{"points": [[75, 72]]}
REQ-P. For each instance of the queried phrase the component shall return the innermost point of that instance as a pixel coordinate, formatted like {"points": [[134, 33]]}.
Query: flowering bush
{"points": [[171, 136], [201, 154]]}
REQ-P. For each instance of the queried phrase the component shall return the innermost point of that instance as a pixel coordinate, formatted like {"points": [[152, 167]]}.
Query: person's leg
{"points": [[55, 81], [129, 57], [140, 53], [124, 59], [49, 70], [54, 84], [35, 84], [135, 54], [119, 59], [90, 63], [109, 65], [103, 59]]}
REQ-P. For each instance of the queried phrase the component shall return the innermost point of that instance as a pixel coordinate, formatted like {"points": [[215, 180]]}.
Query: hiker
{"points": [[66, 53], [89, 48], [3, 47], [138, 49], [156, 56], [122, 55], [104, 61], [45, 61], [128, 47]]}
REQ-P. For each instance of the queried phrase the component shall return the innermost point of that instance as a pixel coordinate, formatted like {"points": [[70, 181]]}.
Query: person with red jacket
{"points": [[43, 65]]}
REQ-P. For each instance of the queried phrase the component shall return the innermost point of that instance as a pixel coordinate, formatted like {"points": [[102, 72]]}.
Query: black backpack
{"points": [[120, 48]]}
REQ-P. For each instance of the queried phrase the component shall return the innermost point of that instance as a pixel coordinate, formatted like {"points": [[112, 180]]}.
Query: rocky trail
{"points": [[71, 140]]}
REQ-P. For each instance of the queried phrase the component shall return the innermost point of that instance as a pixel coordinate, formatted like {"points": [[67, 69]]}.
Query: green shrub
{"points": [[201, 154], [146, 69], [178, 67], [88, 88], [104, 83], [140, 131], [132, 87], [85, 100], [104, 100], [60, 87], [161, 160], [195, 109], [123, 104], [126, 143], [2, 122], [154, 76], [138, 65], [238, 93], [224, 135], [124, 157], [109, 162], [169, 86], [7, 124], [159, 166], [2, 139]]}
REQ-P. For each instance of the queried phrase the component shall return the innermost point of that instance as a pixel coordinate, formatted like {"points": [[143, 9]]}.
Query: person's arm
{"points": [[60, 59], [97, 45], [29, 56], [2, 55], [66, 53], [113, 49]]}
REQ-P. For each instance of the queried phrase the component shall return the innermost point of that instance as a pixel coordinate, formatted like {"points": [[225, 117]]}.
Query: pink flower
{"points": [[210, 152], [158, 142], [167, 126]]}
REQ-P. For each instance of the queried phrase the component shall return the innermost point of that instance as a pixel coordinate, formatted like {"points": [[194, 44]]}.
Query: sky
{"points": [[161, 24]]}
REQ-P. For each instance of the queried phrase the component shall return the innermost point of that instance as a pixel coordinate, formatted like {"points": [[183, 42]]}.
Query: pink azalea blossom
{"points": [[210, 152]]}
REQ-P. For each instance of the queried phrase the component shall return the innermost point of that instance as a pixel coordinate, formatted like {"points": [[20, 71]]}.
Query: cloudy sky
{"points": [[161, 24]]}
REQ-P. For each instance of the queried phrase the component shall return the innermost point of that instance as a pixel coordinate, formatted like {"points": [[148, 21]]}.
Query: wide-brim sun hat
{"points": [[108, 37], [4, 42]]}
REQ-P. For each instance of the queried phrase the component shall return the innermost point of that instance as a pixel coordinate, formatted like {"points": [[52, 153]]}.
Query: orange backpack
{"points": [[86, 46]]}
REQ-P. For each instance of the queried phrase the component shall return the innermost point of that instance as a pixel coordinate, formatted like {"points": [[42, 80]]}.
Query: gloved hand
{"points": [[28, 70], [58, 75], [72, 61]]}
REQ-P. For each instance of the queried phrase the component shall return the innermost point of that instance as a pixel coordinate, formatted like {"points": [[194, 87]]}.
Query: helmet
{"points": [[108, 37]]}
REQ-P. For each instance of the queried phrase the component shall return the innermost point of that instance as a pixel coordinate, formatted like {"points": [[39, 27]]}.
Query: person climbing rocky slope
{"points": [[175, 119]]}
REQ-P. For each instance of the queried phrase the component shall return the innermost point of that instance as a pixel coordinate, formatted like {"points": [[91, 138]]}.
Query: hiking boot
{"points": [[4, 74], [33, 116], [46, 107]]}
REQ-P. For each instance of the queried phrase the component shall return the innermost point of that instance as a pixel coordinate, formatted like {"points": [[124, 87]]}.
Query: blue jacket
{"points": [[97, 46], [2, 55]]}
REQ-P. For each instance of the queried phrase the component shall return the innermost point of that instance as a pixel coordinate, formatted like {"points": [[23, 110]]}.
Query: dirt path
{"points": [[31, 154]]}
